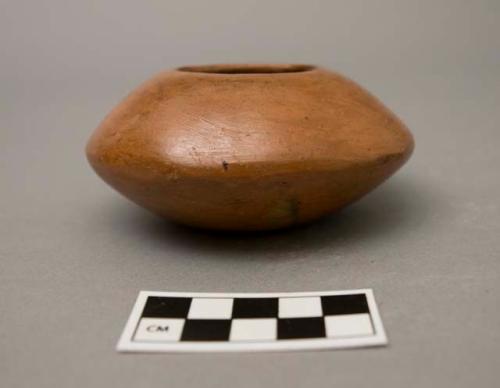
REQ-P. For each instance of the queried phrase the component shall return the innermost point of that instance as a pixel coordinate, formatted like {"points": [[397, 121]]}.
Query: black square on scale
{"points": [[344, 304], [295, 328], [206, 330], [255, 308], [166, 307]]}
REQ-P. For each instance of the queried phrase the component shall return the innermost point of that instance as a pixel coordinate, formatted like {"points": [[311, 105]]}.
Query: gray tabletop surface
{"points": [[74, 254]]}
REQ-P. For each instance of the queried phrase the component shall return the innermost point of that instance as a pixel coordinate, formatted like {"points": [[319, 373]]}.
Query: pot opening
{"points": [[247, 69]]}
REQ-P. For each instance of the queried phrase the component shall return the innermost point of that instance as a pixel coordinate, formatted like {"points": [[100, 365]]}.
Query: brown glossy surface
{"points": [[248, 147]]}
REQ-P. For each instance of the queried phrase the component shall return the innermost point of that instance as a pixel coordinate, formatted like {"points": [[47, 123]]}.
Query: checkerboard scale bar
{"points": [[201, 322]]}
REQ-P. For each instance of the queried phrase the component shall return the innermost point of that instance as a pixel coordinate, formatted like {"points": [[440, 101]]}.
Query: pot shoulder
{"points": [[217, 125]]}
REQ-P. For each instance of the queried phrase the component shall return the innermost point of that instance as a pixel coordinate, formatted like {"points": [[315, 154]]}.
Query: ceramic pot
{"points": [[248, 147]]}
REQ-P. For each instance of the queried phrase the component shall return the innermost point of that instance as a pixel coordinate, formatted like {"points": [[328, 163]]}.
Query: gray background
{"points": [[74, 254]]}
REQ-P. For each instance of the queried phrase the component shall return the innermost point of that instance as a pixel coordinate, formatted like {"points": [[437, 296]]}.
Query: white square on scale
{"points": [[211, 308], [159, 329], [350, 325], [253, 329], [300, 307]]}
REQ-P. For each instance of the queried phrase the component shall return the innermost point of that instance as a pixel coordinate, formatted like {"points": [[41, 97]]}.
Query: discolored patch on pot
{"points": [[285, 210]]}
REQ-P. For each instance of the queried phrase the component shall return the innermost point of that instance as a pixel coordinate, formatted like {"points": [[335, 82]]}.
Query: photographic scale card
{"points": [[222, 322]]}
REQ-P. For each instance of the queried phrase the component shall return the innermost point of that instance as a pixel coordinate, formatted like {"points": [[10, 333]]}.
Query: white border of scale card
{"points": [[126, 343]]}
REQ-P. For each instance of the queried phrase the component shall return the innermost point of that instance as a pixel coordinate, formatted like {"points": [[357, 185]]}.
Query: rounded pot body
{"points": [[248, 147]]}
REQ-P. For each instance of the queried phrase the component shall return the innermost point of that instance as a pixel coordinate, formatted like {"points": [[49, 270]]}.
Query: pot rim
{"points": [[241, 69]]}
